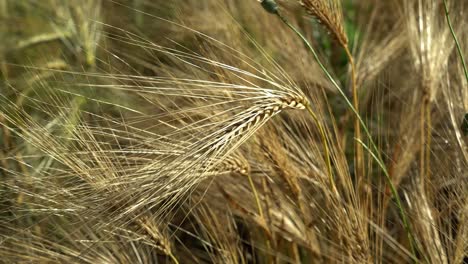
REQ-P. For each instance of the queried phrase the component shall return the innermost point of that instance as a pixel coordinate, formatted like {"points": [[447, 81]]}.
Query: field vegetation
{"points": [[233, 131]]}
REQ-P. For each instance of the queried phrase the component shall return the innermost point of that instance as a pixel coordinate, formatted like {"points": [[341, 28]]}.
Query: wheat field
{"points": [[233, 131]]}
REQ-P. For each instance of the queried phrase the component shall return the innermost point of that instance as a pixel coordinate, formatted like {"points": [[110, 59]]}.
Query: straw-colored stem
{"points": [[359, 159], [425, 149], [425, 132], [257, 198], [422, 150], [428, 142], [259, 206], [325, 148], [174, 259], [357, 127]]}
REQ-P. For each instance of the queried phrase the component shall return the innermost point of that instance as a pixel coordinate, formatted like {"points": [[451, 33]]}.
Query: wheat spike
{"points": [[328, 12]]}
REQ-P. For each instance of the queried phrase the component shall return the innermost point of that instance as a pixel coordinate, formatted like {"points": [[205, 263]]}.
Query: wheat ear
{"points": [[327, 12]]}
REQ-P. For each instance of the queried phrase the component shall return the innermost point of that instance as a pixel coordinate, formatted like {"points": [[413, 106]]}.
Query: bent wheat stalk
{"points": [[374, 151], [329, 14]]}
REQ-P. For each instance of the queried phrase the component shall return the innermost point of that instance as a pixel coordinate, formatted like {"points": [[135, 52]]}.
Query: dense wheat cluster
{"points": [[233, 131]]}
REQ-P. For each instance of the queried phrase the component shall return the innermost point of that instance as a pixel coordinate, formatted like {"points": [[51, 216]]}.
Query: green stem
{"points": [[460, 53]]}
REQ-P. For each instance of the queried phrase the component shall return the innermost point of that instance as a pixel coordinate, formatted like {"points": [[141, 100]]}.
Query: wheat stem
{"points": [[257, 198], [425, 127], [174, 259], [422, 149], [359, 169], [259, 206], [429, 141], [325, 146]]}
